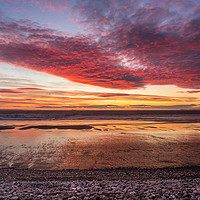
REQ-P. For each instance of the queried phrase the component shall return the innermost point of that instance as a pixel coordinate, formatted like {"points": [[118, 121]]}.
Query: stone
{"points": [[15, 198]]}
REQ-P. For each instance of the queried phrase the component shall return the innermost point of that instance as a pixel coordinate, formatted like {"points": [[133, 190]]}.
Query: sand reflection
{"points": [[114, 143]]}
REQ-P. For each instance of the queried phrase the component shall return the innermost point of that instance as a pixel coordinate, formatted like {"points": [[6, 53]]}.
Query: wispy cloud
{"points": [[193, 91], [36, 98], [9, 91], [20, 90]]}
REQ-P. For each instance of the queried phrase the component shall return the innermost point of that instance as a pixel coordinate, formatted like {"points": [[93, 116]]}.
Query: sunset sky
{"points": [[100, 54]]}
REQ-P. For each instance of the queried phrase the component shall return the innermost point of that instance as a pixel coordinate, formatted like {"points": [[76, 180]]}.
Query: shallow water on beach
{"points": [[105, 144]]}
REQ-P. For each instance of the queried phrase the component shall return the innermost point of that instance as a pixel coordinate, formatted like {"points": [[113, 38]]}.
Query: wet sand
{"points": [[98, 144], [6, 127], [76, 127]]}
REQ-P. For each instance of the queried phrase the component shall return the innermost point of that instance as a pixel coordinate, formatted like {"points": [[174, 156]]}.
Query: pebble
{"points": [[14, 198], [107, 189], [164, 184]]}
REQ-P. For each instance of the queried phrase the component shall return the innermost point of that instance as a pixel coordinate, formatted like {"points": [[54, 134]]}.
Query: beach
{"points": [[99, 155]]}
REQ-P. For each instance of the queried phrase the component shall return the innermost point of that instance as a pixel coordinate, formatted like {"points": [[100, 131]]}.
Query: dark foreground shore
{"points": [[124, 183]]}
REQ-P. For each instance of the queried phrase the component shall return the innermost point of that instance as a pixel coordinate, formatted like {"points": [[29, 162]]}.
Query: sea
{"points": [[98, 139]]}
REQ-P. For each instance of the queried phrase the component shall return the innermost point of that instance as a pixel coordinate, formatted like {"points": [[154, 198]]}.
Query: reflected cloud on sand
{"points": [[105, 144]]}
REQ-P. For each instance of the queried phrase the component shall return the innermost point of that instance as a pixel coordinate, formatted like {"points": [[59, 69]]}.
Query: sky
{"points": [[100, 54]]}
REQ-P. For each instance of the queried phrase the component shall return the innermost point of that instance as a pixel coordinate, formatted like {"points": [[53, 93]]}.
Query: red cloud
{"points": [[194, 91], [9, 91], [19, 90], [155, 53], [75, 59], [30, 89], [112, 95]]}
